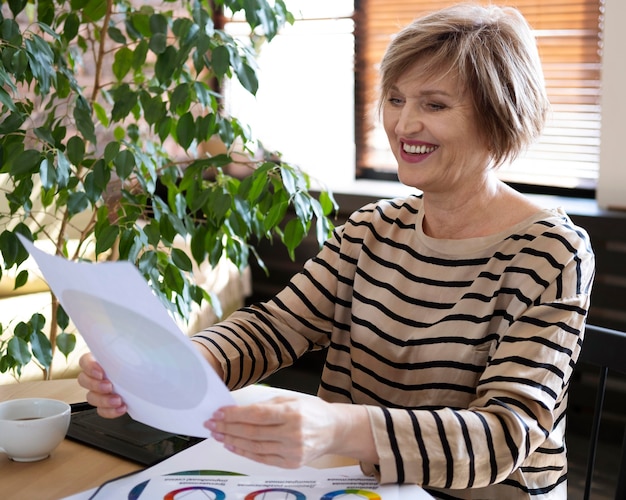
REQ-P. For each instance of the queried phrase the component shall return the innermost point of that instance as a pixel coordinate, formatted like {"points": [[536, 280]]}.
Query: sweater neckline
{"points": [[467, 246]]}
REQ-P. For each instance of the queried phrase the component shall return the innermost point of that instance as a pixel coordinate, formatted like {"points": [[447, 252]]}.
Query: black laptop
{"points": [[124, 436]]}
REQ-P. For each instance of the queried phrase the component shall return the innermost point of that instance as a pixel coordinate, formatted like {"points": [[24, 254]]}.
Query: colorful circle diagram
{"points": [[199, 492], [136, 492], [275, 494], [337, 495]]}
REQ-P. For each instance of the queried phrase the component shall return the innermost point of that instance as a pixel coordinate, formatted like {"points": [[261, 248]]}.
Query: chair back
{"points": [[606, 349]]}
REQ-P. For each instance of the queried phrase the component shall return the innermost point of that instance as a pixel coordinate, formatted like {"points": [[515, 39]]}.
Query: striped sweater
{"points": [[461, 350]]}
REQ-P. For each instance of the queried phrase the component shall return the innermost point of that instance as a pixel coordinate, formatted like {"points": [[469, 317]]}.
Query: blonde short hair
{"points": [[494, 54]]}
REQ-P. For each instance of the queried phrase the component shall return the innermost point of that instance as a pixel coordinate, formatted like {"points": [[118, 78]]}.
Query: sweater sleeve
{"points": [[256, 341]]}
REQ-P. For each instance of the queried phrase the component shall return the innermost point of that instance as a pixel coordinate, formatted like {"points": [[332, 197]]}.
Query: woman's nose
{"points": [[409, 121]]}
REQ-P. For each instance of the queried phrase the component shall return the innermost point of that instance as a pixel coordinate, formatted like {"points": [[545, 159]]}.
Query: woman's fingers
{"points": [[99, 389], [90, 366], [108, 406]]}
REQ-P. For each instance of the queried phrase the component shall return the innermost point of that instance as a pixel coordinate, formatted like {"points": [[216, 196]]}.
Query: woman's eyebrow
{"points": [[436, 92], [426, 93]]}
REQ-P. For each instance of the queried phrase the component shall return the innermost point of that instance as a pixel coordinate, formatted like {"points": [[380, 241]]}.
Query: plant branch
{"points": [[54, 331], [87, 230], [101, 51]]}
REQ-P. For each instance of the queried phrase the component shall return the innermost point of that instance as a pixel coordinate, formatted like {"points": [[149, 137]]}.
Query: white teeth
{"points": [[414, 149]]}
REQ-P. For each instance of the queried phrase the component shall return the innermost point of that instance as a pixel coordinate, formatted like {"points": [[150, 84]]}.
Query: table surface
{"points": [[72, 467]]}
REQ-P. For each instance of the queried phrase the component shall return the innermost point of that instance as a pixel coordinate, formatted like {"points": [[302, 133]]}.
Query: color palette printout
{"points": [[220, 485]]}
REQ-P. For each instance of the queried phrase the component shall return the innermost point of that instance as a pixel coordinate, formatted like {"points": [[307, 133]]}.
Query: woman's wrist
{"points": [[353, 436]]}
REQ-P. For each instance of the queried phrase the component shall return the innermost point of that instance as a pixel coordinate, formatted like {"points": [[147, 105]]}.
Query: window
{"points": [[319, 79], [304, 107]]}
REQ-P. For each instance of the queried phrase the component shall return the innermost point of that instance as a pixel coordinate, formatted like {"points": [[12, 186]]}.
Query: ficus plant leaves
{"points": [[111, 162]]}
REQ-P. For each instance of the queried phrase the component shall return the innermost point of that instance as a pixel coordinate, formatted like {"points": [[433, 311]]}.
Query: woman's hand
{"points": [[290, 432], [100, 389]]}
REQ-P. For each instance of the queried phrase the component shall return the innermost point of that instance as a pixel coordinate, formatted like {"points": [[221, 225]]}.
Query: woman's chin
{"points": [[409, 177]]}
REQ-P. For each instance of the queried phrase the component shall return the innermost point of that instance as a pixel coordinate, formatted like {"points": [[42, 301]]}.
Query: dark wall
{"points": [[608, 238]]}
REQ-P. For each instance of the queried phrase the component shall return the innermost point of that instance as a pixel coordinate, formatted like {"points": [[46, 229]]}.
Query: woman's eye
{"points": [[435, 106], [395, 101]]}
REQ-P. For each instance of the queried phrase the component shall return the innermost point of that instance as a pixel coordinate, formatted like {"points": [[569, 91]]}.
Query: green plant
{"points": [[105, 108]]}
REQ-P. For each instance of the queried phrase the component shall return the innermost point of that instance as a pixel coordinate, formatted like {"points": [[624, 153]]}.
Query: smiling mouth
{"points": [[420, 149]]}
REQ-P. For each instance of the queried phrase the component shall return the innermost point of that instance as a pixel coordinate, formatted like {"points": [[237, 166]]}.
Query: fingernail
{"points": [[218, 415], [211, 425], [218, 436]]}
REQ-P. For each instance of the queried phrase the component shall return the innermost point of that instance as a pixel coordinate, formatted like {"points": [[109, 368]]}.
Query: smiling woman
{"points": [[452, 318], [451, 110]]}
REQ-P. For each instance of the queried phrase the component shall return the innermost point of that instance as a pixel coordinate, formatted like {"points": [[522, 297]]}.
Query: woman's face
{"points": [[433, 132]]}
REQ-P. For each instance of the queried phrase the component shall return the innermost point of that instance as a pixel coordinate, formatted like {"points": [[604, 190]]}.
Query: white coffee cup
{"points": [[30, 428]]}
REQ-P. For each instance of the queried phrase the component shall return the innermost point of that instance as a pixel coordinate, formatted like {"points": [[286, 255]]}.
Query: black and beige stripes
{"points": [[461, 350]]}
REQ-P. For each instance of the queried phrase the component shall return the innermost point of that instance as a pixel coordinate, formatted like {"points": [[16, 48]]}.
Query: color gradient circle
{"points": [[219, 494], [138, 489], [259, 495], [370, 495]]}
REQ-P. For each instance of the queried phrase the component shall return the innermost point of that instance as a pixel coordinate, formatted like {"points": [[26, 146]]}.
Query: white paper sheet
{"points": [[161, 376]]}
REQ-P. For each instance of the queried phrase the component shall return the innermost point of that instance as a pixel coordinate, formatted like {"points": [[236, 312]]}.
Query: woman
{"points": [[452, 318]]}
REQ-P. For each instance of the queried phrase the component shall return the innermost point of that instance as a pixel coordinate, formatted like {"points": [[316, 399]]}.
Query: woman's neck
{"points": [[480, 210]]}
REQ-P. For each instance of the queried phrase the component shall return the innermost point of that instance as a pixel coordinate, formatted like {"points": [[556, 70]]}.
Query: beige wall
{"points": [[611, 191]]}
